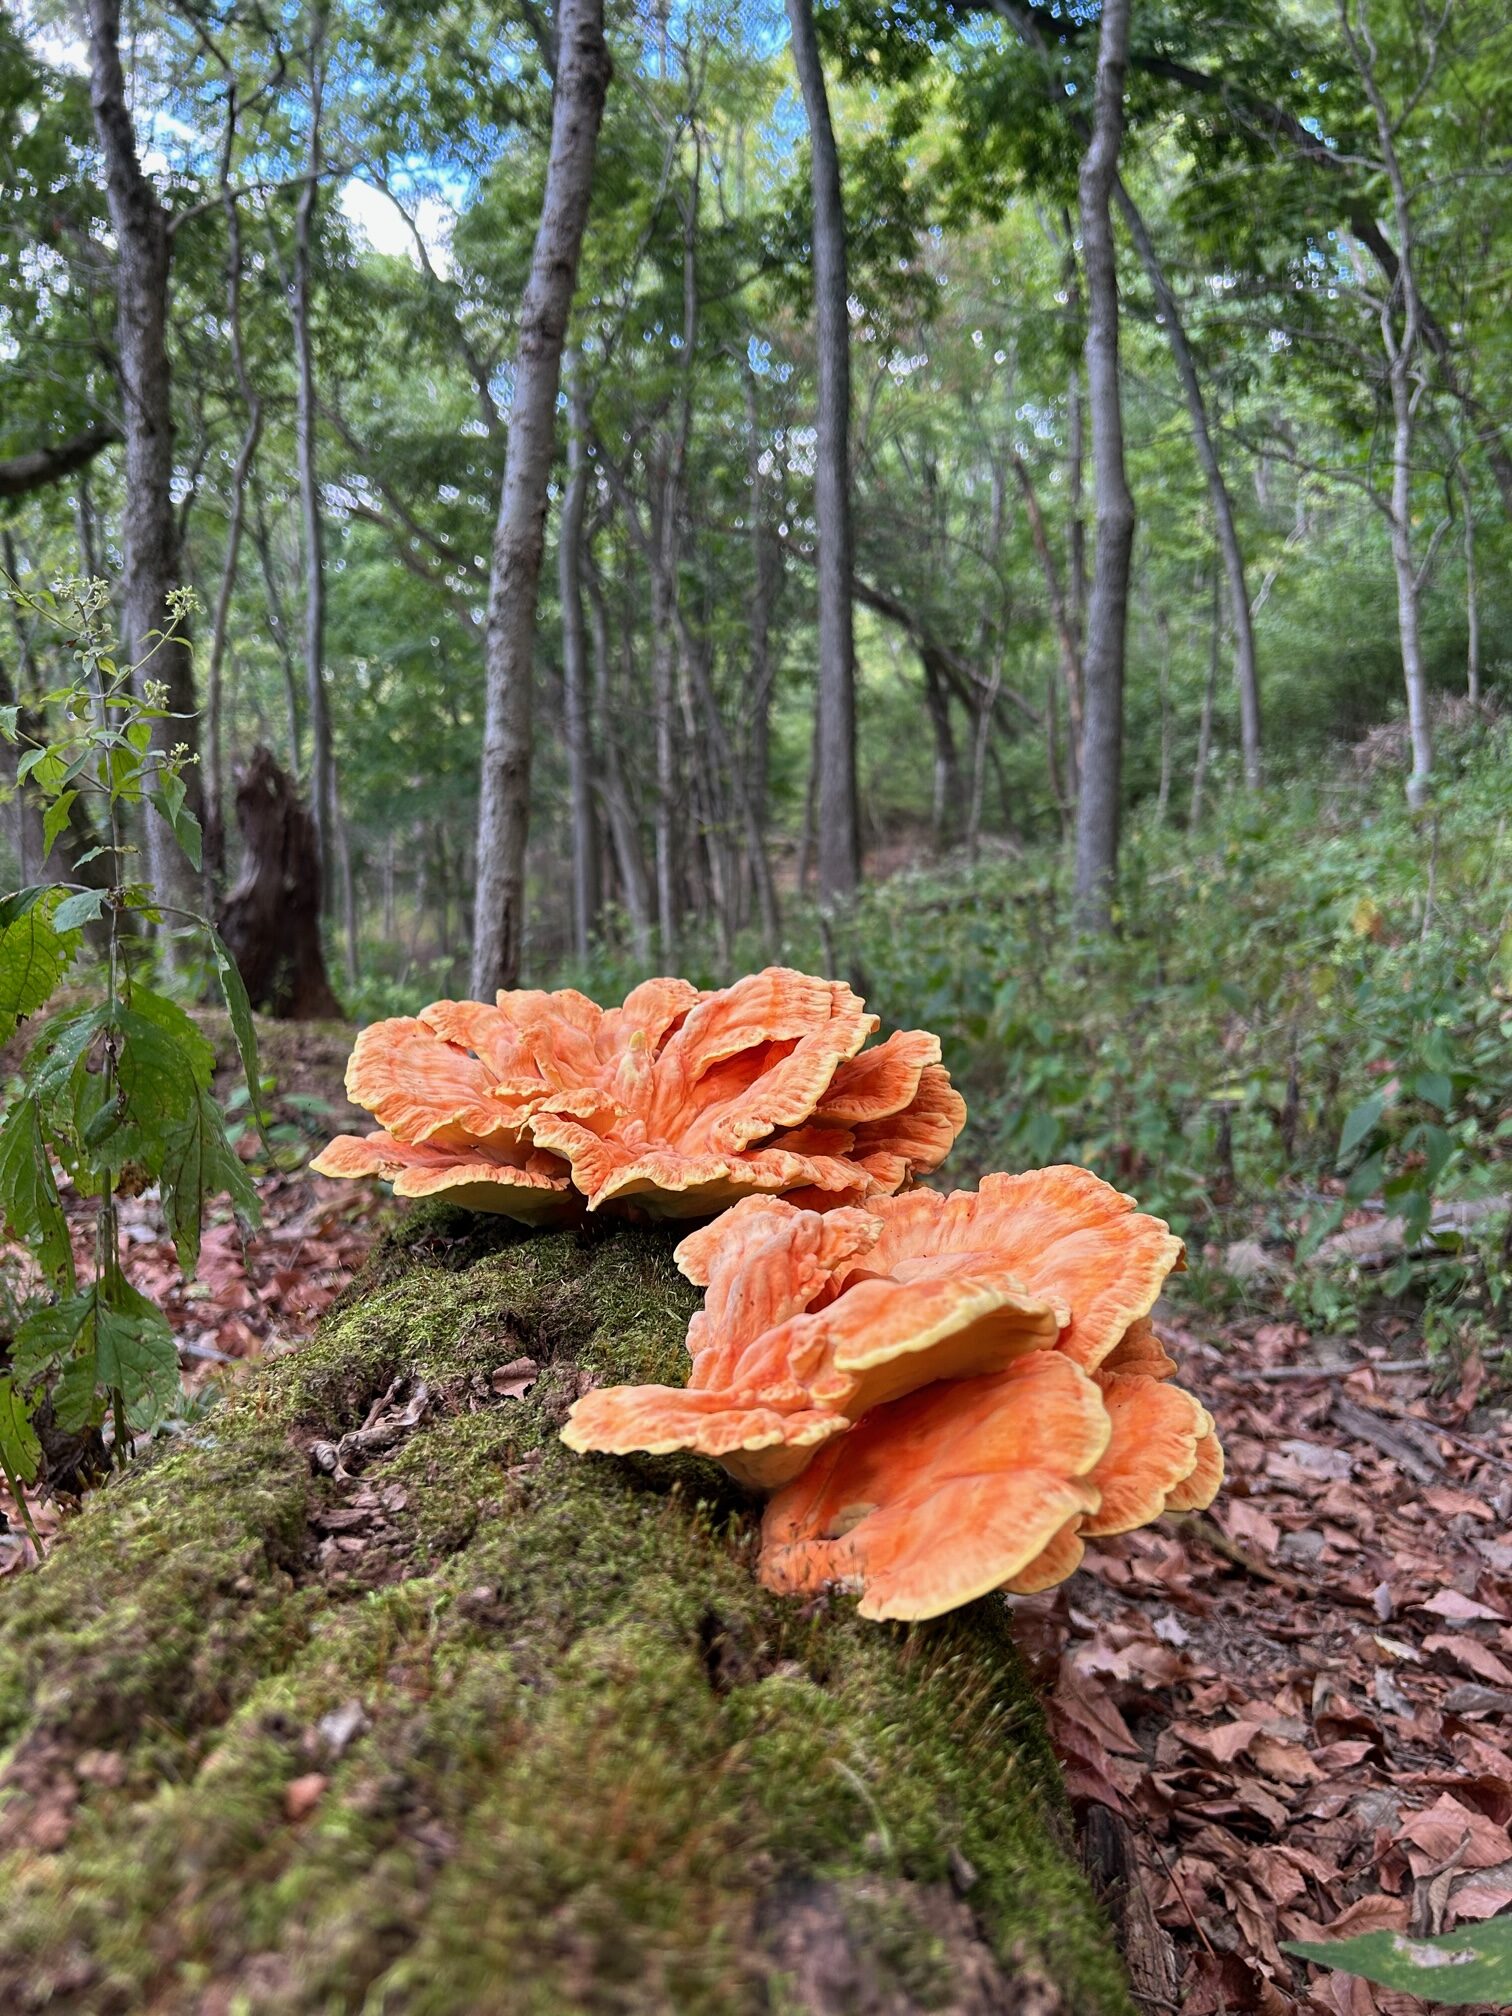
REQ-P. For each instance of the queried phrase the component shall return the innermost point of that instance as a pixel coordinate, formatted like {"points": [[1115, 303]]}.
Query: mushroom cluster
{"points": [[677, 1102], [944, 1395]]}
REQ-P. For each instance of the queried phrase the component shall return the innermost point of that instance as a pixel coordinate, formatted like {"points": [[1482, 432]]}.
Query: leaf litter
{"points": [[1286, 1719], [1293, 1713]]}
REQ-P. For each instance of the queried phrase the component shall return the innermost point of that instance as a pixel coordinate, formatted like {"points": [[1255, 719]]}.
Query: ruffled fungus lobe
{"points": [[942, 1496], [783, 1363], [1061, 1232], [677, 1100]]}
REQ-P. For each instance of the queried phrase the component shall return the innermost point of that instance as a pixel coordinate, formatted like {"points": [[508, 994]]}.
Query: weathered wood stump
{"points": [[271, 919], [367, 1695]]}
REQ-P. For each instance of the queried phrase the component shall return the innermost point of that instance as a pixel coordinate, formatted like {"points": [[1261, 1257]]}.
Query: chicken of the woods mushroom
{"points": [[674, 1104], [945, 1394]]}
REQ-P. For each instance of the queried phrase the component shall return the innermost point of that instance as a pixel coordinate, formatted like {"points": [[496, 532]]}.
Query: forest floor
{"points": [[1284, 1719]]}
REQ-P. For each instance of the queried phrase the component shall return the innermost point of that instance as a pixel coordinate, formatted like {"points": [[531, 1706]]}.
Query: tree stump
{"points": [[271, 919], [365, 1694]]}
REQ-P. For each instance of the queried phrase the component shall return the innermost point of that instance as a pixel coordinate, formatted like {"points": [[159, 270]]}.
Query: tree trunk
{"points": [[575, 667], [215, 809], [1205, 721], [520, 535], [839, 841], [1401, 347], [1099, 802], [321, 776], [149, 528], [386, 1700], [1245, 671], [946, 805], [271, 919], [1163, 796], [1472, 598], [619, 813], [1063, 619]]}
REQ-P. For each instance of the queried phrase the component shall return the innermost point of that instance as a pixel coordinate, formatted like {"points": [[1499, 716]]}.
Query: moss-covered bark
{"points": [[476, 1725]]}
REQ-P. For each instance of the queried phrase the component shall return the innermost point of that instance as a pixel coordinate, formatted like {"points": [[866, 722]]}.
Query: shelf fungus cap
{"points": [[762, 1438], [506, 1177], [418, 1085], [937, 1498], [1061, 1231]]}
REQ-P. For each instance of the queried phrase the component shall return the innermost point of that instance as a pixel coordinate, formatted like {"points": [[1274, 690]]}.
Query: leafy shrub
{"points": [[114, 1090]]}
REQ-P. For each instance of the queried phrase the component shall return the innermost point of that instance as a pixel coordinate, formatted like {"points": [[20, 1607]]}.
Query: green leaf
{"points": [[28, 763], [1367, 1179], [1473, 1964], [9, 718], [33, 959], [29, 1193], [198, 1162], [1359, 1123], [1434, 1088], [160, 1071], [20, 1451], [19, 902], [55, 819], [199, 1051], [239, 1007], [78, 909], [169, 800], [102, 1344]]}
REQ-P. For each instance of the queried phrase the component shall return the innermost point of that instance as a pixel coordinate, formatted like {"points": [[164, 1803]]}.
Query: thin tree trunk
{"points": [[575, 665], [1472, 597], [1163, 797], [766, 560], [1062, 619], [619, 813], [1245, 670], [1401, 347], [946, 803], [1205, 721], [519, 537], [839, 841], [664, 722], [1099, 801], [321, 780], [215, 818], [979, 760], [149, 528], [278, 623]]}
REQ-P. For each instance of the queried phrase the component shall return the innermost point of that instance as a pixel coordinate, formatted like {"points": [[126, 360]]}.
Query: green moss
{"points": [[596, 1764]]}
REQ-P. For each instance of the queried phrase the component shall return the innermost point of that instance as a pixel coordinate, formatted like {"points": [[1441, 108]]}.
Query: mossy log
{"points": [[365, 1694]]}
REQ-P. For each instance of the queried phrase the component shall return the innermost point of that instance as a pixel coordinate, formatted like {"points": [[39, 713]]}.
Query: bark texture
{"points": [[839, 836], [371, 1696], [271, 919], [582, 79], [150, 568], [1099, 801], [322, 768], [575, 671]]}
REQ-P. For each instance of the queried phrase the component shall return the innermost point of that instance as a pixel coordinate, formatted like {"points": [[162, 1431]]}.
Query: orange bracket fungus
{"points": [[677, 1102], [947, 1394]]}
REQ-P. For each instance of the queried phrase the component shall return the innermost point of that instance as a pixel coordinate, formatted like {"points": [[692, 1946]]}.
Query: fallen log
{"points": [[363, 1693]]}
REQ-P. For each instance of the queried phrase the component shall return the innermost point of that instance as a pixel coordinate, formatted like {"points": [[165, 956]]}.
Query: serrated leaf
{"points": [[239, 1007], [199, 1051], [29, 1193], [55, 818], [100, 1345], [9, 719], [33, 959], [28, 763], [1361, 1121], [198, 1162], [159, 1075], [1470, 1965], [79, 909], [63, 1041], [168, 798], [20, 1451]]}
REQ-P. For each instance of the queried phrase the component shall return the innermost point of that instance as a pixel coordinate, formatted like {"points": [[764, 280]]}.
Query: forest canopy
{"points": [[328, 214]]}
